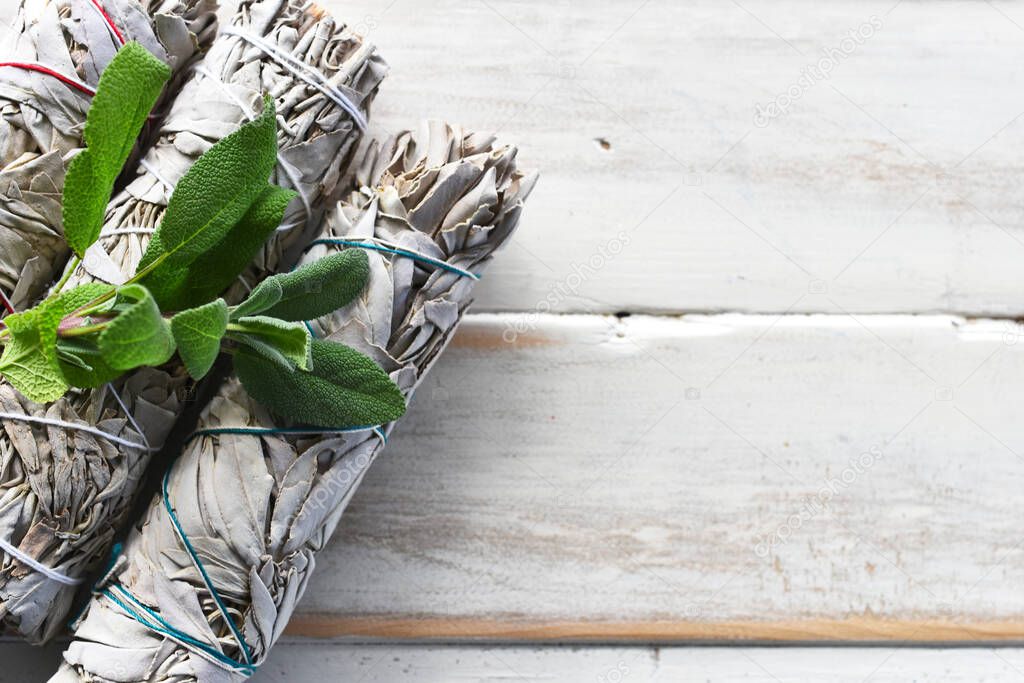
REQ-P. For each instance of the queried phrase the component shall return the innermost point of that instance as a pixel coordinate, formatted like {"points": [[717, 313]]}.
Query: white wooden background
{"points": [[807, 430]]}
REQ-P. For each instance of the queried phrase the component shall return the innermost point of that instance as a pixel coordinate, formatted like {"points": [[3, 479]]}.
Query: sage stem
{"points": [[68, 272]]}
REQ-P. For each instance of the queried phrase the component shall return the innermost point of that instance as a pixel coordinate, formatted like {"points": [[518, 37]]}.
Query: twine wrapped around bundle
{"points": [[210, 577], [66, 486], [52, 57]]}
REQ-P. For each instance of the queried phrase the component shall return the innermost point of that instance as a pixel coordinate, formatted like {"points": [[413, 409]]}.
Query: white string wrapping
{"points": [[156, 174], [12, 550], [304, 71], [131, 418], [51, 574], [130, 231], [72, 426]]}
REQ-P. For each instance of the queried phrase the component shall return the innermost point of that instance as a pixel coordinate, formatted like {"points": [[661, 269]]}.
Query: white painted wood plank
{"points": [[892, 186], [399, 664], [666, 479], [302, 662]]}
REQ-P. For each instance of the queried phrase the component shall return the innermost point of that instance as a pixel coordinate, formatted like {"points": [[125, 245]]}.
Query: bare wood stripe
{"points": [[865, 629]]}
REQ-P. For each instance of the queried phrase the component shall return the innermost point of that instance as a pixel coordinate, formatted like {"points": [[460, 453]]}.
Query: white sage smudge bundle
{"points": [[210, 577], [52, 57], [69, 470]]}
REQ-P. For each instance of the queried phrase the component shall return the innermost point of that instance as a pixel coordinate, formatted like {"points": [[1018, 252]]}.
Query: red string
{"points": [[81, 87], [28, 66], [110, 22], [7, 302], [7, 305]]}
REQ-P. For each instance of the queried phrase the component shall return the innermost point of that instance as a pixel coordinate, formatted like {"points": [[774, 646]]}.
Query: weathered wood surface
{"points": [[679, 479], [611, 480], [891, 186], [424, 664], [298, 661]]}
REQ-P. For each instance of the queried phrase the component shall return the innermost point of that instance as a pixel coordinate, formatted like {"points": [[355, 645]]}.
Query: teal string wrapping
{"points": [[152, 620], [415, 256], [274, 431]]}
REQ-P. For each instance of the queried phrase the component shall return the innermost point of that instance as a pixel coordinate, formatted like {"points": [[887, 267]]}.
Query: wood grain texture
{"points": [[613, 480], [425, 664], [299, 661], [515, 628], [779, 478], [891, 186]]}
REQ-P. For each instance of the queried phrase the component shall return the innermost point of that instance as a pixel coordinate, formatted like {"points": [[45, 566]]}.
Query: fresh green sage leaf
{"points": [[198, 333], [213, 272], [128, 89], [212, 197], [80, 359], [139, 335], [67, 356], [344, 389], [70, 300], [29, 361], [267, 351], [82, 363], [291, 340], [266, 294], [319, 288]]}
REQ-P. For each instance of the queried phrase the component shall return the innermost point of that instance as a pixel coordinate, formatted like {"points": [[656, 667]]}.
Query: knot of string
{"points": [[312, 76]]}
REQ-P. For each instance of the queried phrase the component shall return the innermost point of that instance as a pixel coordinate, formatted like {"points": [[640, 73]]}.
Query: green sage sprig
{"points": [[220, 214]]}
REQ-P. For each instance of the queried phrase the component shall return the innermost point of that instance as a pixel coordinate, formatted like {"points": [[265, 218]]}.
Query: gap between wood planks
{"points": [[603, 311]]}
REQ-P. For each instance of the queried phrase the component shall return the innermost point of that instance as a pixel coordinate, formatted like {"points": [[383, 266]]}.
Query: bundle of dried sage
{"points": [[68, 470], [210, 577], [54, 53]]}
